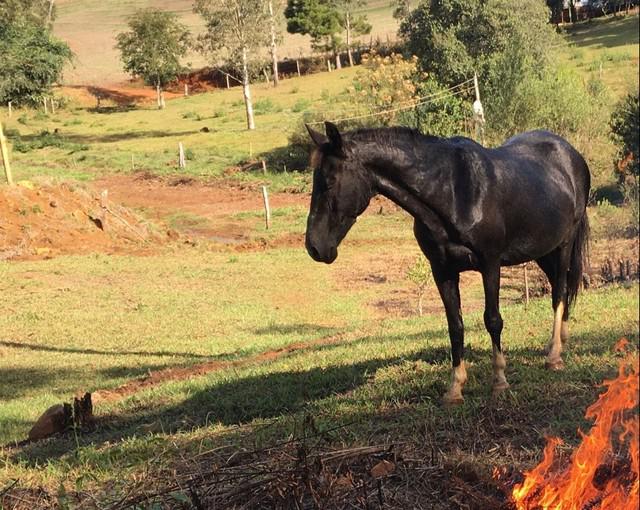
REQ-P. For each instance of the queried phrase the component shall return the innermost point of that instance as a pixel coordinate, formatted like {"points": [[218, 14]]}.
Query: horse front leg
{"points": [[448, 285], [493, 322]]}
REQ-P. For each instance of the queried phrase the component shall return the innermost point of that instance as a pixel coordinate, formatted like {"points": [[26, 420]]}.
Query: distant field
{"points": [[606, 48], [90, 27]]}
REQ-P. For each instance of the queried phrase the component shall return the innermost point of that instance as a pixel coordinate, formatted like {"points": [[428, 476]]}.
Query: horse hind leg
{"points": [[493, 322], [448, 286], [556, 267]]}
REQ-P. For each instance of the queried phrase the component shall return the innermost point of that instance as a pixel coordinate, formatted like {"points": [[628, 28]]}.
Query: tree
{"points": [[235, 31], [401, 9], [556, 7], [32, 61], [354, 25], [153, 47], [317, 18], [510, 49], [275, 16]]}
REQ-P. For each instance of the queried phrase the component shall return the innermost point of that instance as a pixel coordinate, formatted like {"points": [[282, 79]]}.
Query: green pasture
{"points": [[91, 142], [606, 48], [87, 323]]}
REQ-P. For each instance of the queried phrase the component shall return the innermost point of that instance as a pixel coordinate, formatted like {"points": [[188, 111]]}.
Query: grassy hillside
{"points": [[606, 48], [97, 142], [380, 381], [90, 27], [90, 143]]}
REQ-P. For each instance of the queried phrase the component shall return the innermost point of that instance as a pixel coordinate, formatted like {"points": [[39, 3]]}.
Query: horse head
{"points": [[341, 192]]}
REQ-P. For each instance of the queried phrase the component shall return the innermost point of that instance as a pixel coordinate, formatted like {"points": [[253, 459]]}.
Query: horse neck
{"points": [[410, 172]]}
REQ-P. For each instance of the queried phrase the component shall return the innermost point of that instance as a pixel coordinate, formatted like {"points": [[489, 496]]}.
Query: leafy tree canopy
{"points": [[317, 18], [512, 51], [32, 61], [453, 38], [36, 11], [233, 27], [153, 46]]}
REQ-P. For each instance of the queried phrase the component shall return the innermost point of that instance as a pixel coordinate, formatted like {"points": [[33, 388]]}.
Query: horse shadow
{"points": [[287, 391]]}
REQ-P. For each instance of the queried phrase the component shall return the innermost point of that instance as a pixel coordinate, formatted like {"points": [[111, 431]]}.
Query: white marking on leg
{"points": [[564, 332], [499, 364], [554, 360], [458, 378]]}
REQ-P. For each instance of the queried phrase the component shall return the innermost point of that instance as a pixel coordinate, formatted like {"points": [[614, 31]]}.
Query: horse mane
{"points": [[387, 135]]}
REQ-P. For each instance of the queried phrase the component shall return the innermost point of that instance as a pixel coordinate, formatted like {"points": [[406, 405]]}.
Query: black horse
{"points": [[474, 209]]}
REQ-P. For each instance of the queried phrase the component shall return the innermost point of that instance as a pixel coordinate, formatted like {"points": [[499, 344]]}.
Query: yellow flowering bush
{"points": [[386, 83]]}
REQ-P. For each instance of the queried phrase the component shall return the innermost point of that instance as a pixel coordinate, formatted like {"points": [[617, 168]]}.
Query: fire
{"points": [[600, 475]]}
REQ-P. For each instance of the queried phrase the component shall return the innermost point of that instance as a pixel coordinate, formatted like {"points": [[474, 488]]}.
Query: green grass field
{"points": [[90, 323], [98, 142], [284, 338], [606, 48]]}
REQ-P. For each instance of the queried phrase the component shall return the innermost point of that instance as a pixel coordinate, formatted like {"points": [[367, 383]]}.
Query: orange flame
{"points": [[599, 476]]}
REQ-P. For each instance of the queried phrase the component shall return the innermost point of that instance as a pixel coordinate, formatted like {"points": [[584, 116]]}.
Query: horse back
{"points": [[534, 190]]}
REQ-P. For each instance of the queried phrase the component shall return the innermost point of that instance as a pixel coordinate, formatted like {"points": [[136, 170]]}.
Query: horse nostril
{"points": [[313, 252]]}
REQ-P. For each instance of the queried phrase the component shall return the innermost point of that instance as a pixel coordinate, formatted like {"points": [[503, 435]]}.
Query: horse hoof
{"points": [[452, 400], [500, 388], [554, 365]]}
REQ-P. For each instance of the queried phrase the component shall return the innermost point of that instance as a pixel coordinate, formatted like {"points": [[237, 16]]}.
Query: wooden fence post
{"points": [[182, 163], [267, 209], [44, 101], [5, 157], [298, 67], [264, 167], [10, 109], [53, 105], [104, 198], [227, 77], [186, 90], [526, 285]]}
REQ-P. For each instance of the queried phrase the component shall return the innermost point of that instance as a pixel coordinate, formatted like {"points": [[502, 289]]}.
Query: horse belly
{"points": [[533, 245]]}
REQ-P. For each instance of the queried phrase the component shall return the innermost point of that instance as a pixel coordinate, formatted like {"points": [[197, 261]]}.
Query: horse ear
{"points": [[335, 139], [318, 138]]}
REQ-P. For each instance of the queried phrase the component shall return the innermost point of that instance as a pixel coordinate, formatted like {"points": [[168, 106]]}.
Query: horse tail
{"points": [[579, 257]]}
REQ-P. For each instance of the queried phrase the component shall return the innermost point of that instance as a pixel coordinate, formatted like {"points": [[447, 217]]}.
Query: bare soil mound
{"points": [[44, 220]]}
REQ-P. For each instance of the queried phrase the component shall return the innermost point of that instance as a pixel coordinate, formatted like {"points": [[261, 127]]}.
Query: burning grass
{"points": [[603, 469]]}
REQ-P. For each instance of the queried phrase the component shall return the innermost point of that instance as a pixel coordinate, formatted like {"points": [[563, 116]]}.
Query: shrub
{"points": [[48, 139], [625, 127], [420, 275], [263, 106], [301, 105]]}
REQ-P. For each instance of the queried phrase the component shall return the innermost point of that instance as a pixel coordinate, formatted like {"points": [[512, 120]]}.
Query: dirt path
{"points": [[181, 373], [162, 199]]}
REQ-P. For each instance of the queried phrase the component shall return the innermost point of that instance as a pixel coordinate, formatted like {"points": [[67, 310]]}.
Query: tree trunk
{"points": [[246, 91], [349, 39], [50, 11], [274, 48], [338, 61]]}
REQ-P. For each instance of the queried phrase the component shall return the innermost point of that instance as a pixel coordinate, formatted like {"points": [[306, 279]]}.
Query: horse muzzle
{"points": [[326, 255]]}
